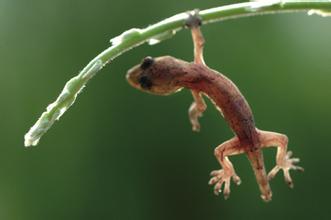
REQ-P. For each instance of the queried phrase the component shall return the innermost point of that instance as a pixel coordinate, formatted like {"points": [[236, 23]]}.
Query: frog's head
{"points": [[154, 75]]}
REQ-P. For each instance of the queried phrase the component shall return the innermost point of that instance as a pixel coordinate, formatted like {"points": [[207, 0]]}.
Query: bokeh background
{"points": [[122, 154]]}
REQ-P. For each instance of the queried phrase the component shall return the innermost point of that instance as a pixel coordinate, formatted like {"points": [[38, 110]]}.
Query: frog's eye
{"points": [[145, 82], [147, 62]]}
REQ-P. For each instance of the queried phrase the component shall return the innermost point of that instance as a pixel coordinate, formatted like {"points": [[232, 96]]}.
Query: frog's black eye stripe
{"points": [[145, 82], [147, 62]]}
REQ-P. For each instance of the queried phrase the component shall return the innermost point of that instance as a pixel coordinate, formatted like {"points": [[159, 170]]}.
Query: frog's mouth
{"points": [[132, 77]]}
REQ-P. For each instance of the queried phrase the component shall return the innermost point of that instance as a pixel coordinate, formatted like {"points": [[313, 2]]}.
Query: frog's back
{"points": [[232, 103]]}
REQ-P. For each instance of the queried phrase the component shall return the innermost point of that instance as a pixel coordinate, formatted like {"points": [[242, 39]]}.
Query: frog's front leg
{"points": [[223, 176], [198, 106], [194, 22], [283, 159], [196, 109]]}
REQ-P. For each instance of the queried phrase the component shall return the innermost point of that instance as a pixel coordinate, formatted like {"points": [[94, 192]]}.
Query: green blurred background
{"points": [[122, 154]]}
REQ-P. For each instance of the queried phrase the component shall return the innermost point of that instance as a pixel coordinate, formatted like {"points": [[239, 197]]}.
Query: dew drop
{"points": [[161, 37]]}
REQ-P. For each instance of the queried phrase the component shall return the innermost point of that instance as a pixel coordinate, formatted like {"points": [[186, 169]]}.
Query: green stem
{"points": [[154, 34]]}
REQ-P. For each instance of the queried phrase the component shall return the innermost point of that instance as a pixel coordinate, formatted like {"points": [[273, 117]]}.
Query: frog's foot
{"points": [[286, 164], [220, 177], [283, 157], [223, 176]]}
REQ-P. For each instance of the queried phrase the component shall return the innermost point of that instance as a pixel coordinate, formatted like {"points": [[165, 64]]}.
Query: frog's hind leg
{"points": [[228, 148], [283, 159]]}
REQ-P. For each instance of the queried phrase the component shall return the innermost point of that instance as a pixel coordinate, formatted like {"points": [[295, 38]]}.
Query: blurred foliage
{"points": [[122, 154]]}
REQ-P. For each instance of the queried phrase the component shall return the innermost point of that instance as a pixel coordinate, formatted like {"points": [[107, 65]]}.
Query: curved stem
{"points": [[154, 34]]}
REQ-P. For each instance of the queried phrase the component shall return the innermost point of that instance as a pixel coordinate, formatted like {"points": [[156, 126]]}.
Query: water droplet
{"points": [[322, 13], [132, 33], [161, 37], [89, 73], [257, 5]]}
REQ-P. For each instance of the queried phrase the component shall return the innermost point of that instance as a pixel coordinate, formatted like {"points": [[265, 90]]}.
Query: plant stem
{"points": [[154, 34]]}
